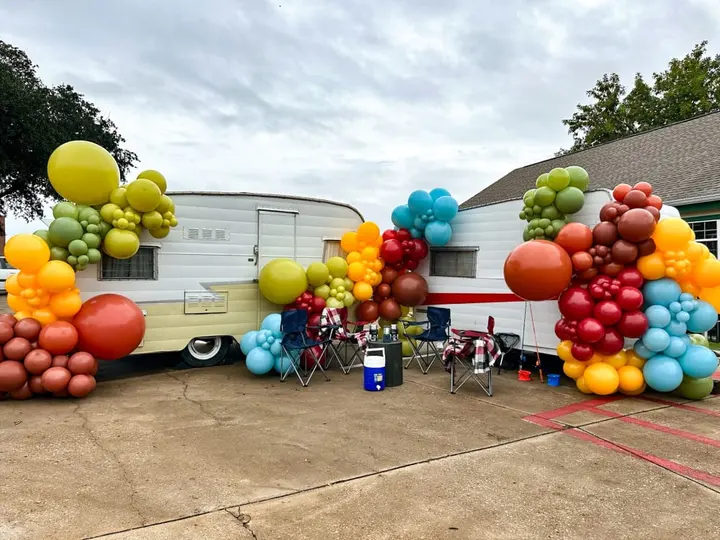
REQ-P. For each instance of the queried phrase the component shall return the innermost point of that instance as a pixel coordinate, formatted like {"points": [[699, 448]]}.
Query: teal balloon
{"points": [[662, 373], [676, 328], [420, 202], [259, 361], [570, 200], [676, 348], [438, 192], [276, 348], [698, 362], [658, 316], [703, 318], [692, 388], [272, 323], [248, 342], [656, 339], [445, 208], [438, 233], [416, 233], [402, 217]]}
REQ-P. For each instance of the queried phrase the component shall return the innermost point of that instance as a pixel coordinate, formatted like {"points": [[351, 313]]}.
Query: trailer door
{"points": [[277, 235]]}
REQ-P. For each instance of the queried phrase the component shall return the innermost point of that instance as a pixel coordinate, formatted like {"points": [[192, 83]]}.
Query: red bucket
{"points": [[523, 375]]}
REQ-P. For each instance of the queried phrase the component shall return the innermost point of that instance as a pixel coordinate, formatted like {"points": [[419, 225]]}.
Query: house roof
{"points": [[681, 161]]}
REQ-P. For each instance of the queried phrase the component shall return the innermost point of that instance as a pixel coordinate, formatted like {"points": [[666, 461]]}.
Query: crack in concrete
{"points": [[243, 519], [202, 408], [114, 457]]}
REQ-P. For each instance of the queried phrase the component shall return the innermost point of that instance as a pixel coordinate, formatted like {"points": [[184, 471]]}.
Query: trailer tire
{"points": [[206, 352]]}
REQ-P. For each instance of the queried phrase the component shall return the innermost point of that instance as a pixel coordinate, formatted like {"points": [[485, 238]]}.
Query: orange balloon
{"points": [[575, 237], [371, 253], [12, 286], [712, 297], [65, 304], [377, 265], [362, 291], [17, 303], [538, 270], [26, 280], [631, 379], [353, 256], [20, 315], [356, 271], [44, 316], [56, 276], [697, 251], [368, 233], [27, 252], [706, 273], [673, 234], [652, 266], [348, 242], [688, 286]]}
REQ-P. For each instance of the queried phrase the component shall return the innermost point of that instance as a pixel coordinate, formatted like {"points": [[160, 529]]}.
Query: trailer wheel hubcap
{"points": [[205, 348]]}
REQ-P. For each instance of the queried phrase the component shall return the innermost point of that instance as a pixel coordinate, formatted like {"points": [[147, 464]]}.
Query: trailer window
{"points": [[331, 249], [141, 266], [453, 262]]}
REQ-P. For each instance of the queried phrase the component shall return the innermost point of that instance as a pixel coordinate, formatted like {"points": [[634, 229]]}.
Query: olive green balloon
{"points": [[542, 180], [94, 255], [65, 209], [692, 388], [526, 235], [550, 212], [544, 223], [59, 253], [43, 233], [78, 248], [570, 200], [579, 177], [558, 179], [323, 291], [544, 196], [558, 224], [64, 230], [281, 281], [91, 240]]}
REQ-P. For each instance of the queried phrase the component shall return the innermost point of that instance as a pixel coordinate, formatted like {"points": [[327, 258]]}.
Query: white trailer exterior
{"points": [[490, 233], [201, 280]]}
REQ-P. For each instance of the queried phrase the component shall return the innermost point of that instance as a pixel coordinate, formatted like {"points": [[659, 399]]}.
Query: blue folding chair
{"points": [[295, 342], [437, 330]]}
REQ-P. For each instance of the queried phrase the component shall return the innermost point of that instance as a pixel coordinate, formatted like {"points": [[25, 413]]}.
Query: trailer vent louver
{"points": [[206, 235]]}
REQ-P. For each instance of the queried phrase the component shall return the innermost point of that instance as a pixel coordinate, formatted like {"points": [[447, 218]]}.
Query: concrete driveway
{"points": [[220, 454]]}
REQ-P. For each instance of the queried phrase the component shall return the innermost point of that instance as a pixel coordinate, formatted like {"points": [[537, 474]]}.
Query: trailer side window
{"points": [[453, 262], [141, 266], [331, 249]]}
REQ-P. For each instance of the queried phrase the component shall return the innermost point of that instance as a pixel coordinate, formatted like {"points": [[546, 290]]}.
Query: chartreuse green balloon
{"points": [[143, 195], [544, 196], [558, 179], [579, 177], [691, 388], [121, 243], [337, 266], [542, 180], [156, 178], [570, 200], [317, 274], [281, 281]]}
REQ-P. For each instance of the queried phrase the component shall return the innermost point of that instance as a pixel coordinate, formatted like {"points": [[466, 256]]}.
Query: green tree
{"points": [[688, 87], [34, 120]]}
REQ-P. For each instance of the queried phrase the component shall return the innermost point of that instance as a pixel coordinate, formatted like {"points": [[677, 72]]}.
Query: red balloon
{"points": [[28, 329], [17, 348], [60, 361], [655, 201], [644, 187], [635, 199], [37, 361], [581, 261], [582, 351], [576, 303], [419, 249], [81, 385], [411, 264], [409, 290], [389, 235], [56, 379], [607, 312], [35, 385], [81, 363], [366, 311], [383, 291], [538, 270], [8, 319], [636, 225], [563, 331], [12, 376], [389, 309], [391, 251], [633, 324], [388, 275], [6, 333], [575, 237], [59, 337], [403, 235], [23, 392], [631, 277], [629, 298], [611, 343], [317, 304], [620, 191], [109, 326], [590, 330], [654, 211]]}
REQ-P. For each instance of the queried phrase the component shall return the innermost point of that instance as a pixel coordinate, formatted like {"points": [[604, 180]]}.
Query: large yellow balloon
{"points": [[44, 316], [27, 252], [672, 234], [83, 172], [601, 379], [56, 276], [712, 297], [634, 360], [353, 256], [17, 303], [574, 369], [143, 195], [652, 266], [121, 243], [156, 178], [356, 271], [706, 273], [281, 281], [631, 379], [368, 233]]}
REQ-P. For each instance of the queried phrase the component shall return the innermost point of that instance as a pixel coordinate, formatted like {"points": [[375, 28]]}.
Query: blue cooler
{"points": [[374, 373]]}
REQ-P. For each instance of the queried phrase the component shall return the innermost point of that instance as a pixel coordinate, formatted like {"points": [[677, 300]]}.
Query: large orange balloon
{"points": [[27, 252], [65, 304], [368, 232], [56, 276], [538, 270]]}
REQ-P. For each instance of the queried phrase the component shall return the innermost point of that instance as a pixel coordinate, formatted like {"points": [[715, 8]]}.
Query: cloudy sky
{"points": [[361, 101]]}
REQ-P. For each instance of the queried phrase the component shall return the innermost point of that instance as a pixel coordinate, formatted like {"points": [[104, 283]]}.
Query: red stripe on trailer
{"points": [[470, 298]]}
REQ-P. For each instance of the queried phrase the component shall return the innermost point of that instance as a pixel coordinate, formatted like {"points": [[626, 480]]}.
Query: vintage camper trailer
{"points": [[198, 286], [467, 275]]}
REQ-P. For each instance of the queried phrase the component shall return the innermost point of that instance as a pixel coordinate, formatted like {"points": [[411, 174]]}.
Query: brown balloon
{"points": [[81, 385], [612, 269], [388, 275], [36, 386], [410, 289], [6, 333], [366, 311], [646, 248], [588, 274], [12, 376], [390, 310], [383, 291], [605, 233], [28, 329], [56, 379], [623, 252], [8, 319], [23, 392], [636, 225], [61, 360], [37, 361], [654, 211], [81, 363], [17, 348], [609, 212], [635, 199]]}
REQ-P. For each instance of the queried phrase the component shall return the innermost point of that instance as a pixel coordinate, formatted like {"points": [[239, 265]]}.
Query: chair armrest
{"points": [[414, 323]]}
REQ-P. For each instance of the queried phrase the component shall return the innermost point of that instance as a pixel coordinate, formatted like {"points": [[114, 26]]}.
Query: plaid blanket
{"points": [[331, 317], [481, 351]]}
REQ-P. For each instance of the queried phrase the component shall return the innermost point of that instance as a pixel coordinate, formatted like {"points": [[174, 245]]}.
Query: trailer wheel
{"points": [[206, 351]]}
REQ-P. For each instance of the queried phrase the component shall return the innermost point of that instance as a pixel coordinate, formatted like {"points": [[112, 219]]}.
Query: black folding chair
{"points": [[296, 342], [437, 330]]}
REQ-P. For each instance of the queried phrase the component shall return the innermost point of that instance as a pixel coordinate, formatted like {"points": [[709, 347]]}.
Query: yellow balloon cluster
{"points": [[679, 257], [140, 204], [604, 375], [363, 258], [43, 289]]}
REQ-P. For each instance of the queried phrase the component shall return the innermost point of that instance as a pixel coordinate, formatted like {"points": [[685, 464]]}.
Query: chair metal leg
{"points": [[466, 375]]}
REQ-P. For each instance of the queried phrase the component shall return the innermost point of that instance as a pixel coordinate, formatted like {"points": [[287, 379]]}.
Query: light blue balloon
{"points": [[658, 316], [445, 208], [663, 373], [276, 348], [688, 305], [419, 223], [259, 361], [248, 342], [419, 202], [698, 362], [661, 292], [266, 346], [402, 217], [261, 337], [686, 340], [438, 233], [702, 319], [683, 317], [415, 233], [676, 328], [676, 348], [438, 192], [272, 323], [675, 307], [656, 339], [684, 297], [283, 364], [641, 350]]}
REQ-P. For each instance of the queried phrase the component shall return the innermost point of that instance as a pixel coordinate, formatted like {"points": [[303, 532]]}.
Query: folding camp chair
{"points": [[296, 342], [437, 331], [504, 341], [348, 338], [470, 355]]}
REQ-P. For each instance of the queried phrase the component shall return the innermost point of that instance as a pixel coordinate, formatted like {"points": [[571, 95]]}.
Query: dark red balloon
{"points": [[654, 211], [366, 311], [37, 361], [582, 351], [8, 319], [411, 264], [81, 363], [391, 251], [389, 310], [607, 312], [109, 326], [605, 233], [631, 277], [60, 361], [28, 328], [633, 324], [403, 235], [629, 298], [56, 379], [576, 303], [317, 304], [16, 349], [590, 330], [611, 269], [81, 385], [59, 337], [35, 385], [611, 343], [389, 235], [636, 225], [562, 330], [609, 212], [388, 275], [623, 252], [419, 249], [383, 291], [12, 376], [6, 333], [409, 290], [23, 392], [635, 199]]}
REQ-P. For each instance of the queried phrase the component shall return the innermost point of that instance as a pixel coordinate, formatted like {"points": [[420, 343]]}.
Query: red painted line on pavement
{"points": [[658, 427], [578, 407], [544, 422], [470, 298], [683, 406]]}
